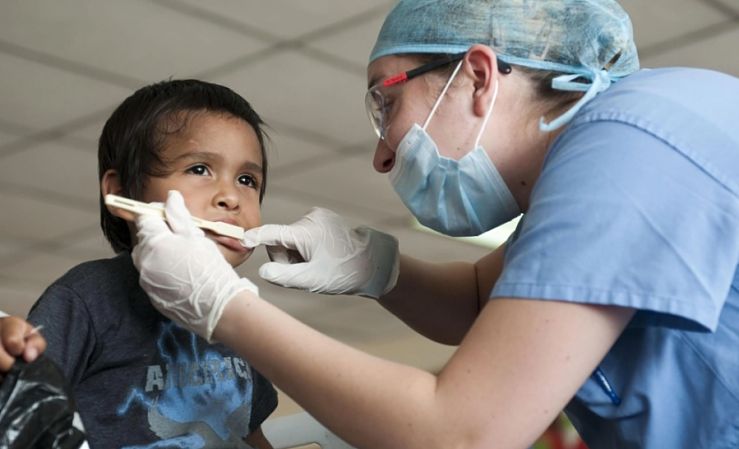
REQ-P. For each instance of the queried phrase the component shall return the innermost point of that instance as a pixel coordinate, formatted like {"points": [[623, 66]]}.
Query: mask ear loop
{"points": [[601, 81], [443, 92], [487, 115]]}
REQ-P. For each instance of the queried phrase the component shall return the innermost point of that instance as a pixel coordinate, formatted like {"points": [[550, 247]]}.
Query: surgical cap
{"points": [[590, 42]]}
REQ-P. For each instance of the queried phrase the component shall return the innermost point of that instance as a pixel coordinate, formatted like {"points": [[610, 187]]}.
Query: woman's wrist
{"points": [[228, 325]]}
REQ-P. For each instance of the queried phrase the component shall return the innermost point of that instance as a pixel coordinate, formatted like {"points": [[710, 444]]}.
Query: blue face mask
{"points": [[458, 198]]}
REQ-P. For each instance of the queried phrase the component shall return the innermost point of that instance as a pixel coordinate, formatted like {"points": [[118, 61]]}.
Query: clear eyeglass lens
{"points": [[374, 103]]}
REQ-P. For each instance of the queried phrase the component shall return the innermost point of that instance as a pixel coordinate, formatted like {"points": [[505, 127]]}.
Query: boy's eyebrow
{"points": [[252, 165], [200, 155]]}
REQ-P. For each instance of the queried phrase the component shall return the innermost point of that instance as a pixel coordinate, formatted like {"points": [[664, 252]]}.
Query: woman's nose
{"points": [[384, 157]]}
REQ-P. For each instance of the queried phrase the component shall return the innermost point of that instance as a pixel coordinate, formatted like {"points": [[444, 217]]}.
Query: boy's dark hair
{"points": [[134, 135]]}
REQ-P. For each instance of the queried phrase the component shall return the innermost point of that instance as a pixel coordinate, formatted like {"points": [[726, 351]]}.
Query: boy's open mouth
{"points": [[228, 242]]}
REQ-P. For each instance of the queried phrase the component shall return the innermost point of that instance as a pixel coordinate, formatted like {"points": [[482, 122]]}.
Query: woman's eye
{"points": [[387, 108], [200, 170], [248, 181]]}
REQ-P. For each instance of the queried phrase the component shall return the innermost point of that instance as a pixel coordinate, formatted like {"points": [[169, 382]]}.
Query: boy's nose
{"points": [[227, 203], [227, 198]]}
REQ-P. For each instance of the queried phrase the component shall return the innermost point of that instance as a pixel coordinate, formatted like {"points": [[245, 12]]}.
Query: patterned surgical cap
{"points": [[589, 40]]}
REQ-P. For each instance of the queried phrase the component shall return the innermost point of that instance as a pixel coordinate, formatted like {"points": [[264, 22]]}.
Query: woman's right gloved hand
{"points": [[184, 274], [333, 258]]}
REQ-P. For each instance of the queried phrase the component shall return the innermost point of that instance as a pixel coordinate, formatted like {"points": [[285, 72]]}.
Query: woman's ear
{"points": [[111, 184], [482, 66]]}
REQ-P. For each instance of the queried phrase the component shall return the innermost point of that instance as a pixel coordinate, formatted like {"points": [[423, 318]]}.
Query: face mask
{"points": [[458, 198]]}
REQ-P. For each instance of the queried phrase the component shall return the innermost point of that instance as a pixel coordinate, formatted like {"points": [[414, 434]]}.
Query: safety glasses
{"points": [[376, 103]]}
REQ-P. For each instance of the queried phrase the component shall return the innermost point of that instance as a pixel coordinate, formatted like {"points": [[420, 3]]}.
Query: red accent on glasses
{"points": [[399, 78]]}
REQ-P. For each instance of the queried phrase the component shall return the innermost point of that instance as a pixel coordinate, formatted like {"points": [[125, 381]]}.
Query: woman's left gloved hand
{"points": [[182, 271]]}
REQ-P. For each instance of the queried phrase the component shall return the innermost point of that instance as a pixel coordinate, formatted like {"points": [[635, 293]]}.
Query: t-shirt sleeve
{"points": [[67, 330], [620, 217], [265, 400]]}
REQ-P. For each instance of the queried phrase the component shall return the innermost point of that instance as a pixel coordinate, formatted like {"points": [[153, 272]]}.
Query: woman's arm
{"points": [[442, 300], [516, 369]]}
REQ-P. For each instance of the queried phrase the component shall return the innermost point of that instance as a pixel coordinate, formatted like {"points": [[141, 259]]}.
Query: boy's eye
{"points": [[248, 180], [200, 170]]}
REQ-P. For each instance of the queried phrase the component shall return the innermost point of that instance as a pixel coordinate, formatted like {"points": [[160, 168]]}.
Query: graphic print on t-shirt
{"points": [[196, 397]]}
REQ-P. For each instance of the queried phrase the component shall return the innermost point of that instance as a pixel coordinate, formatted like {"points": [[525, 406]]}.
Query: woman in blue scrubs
{"points": [[617, 297]]}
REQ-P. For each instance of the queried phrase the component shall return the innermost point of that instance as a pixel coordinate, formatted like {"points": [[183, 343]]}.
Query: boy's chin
{"points": [[232, 251], [232, 257], [235, 262]]}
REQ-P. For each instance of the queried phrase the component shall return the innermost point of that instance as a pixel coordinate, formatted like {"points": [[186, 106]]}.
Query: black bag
{"points": [[37, 409]]}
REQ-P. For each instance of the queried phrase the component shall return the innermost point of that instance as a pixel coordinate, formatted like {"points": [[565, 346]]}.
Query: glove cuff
{"points": [[224, 297], [385, 260]]}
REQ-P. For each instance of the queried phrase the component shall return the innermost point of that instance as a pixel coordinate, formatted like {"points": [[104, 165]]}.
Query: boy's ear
{"points": [[111, 183]]}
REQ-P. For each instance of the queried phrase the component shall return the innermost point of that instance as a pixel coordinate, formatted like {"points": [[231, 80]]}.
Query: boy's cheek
{"points": [[253, 219], [248, 255], [120, 213]]}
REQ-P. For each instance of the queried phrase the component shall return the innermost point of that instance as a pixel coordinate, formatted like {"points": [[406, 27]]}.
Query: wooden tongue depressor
{"points": [[137, 207]]}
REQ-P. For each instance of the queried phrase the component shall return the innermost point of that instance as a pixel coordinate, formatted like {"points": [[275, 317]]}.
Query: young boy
{"points": [[140, 380]]}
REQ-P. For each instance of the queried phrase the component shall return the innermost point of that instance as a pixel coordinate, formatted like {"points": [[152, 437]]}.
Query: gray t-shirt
{"points": [[140, 380]]}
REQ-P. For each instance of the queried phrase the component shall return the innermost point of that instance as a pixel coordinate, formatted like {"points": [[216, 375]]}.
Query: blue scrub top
{"points": [[637, 205]]}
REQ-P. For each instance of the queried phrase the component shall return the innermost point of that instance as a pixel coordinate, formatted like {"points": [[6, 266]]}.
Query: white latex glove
{"points": [[182, 271], [333, 258]]}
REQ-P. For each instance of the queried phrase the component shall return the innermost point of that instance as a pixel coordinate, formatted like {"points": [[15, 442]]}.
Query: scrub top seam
{"points": [[699, 354], [591, 288], [686, 310], [650, 128]]}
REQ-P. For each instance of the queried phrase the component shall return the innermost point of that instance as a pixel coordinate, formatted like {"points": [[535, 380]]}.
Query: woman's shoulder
{"points": [[691, 112], [654, 95]]}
